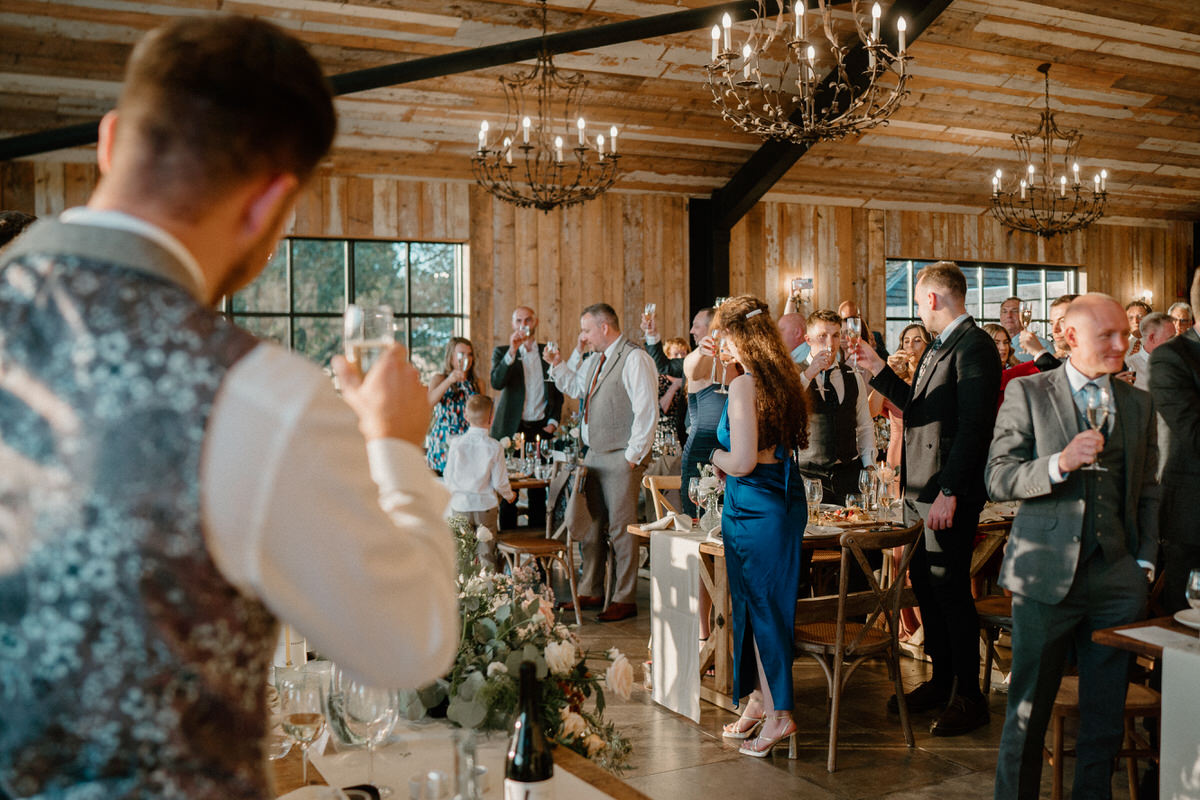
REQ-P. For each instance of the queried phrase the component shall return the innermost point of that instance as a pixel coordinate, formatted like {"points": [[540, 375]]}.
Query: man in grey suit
{"points": [[1082, 545]]}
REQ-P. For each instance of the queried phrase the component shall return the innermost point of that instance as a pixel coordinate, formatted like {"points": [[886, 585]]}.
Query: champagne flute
{"points": [[853, 331], [368, 332], [694, 492], [1097, 415], [1026, 312], [722, 388], [371, 713], [302, 712], [1193, 589], [650, 309], [716, 340]]}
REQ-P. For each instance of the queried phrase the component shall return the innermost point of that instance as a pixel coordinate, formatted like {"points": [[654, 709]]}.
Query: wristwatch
{"points": [[947, 491]]}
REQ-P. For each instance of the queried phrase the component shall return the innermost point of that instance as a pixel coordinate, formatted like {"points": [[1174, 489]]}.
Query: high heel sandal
{"points": [[734, 729], [752, 748]]}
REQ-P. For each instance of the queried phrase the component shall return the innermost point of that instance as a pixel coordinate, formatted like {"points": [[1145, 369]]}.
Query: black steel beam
{"points": [[419, 69], [708, 256]]}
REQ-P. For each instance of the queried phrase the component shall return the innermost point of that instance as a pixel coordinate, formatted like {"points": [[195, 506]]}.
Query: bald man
{"points": [[792, 328], [1082, 546], [849, 309]]}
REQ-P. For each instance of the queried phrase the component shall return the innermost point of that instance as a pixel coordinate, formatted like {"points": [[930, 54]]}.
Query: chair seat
{"points": [[822, 636], [1140, 701], [530, 545], [995, 610]]}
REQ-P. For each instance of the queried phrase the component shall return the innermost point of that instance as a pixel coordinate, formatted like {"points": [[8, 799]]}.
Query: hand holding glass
{"points": [[368, 332], [1026, 314], [1097, 416]]}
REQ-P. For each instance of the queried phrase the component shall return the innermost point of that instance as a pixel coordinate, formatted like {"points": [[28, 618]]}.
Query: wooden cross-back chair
{"points": [[657, 484], [827, 628], [555, 546]]}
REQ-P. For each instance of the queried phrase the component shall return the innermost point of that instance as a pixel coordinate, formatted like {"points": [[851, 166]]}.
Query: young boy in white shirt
{"points": [[475, 473]]}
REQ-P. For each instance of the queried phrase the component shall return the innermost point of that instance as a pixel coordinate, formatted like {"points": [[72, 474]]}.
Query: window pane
{"points": [[429, 339], [380, 274], [274, 329], [318, 338], [269, 290], [996, 288], [318, 275], [1058, 283], [972, 276], [434, 289]]}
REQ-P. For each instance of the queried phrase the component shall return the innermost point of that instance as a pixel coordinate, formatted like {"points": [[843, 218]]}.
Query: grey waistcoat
{"points": [[610, 414], [129, 667]]}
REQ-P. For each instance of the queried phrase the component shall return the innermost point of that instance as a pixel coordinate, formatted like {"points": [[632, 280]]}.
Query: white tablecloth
{"points": [[675, 620], [1179, 765]]}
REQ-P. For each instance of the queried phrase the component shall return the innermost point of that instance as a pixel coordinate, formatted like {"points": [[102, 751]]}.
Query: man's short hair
{"points": [[12, 223], [1142, 304], [1062, 300], [1187, 309], [1010, 299], [944, 275], [212, 101], [823, 315], [605, 313], [1154, 322], [479, 409]]}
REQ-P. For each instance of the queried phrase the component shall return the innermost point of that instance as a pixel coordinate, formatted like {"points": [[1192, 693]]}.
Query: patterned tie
{"points": [[587, 403], [933, 348]]}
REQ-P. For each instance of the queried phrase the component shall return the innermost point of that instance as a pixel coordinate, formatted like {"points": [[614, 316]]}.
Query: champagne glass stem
{"points": [[371, 761], [304, 764]]}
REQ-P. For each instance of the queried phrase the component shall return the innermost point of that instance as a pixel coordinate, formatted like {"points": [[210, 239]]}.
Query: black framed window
{"points": [[298, 299], [988, 284]]}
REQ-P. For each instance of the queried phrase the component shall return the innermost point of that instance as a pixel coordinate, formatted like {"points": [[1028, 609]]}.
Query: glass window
{"points": [[298, 299]]}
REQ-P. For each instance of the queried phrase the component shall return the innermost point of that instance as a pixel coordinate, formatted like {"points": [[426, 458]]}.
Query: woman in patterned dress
{"points": [[448, 392]]}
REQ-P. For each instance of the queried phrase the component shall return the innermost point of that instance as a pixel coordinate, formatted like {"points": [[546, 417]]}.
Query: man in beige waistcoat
{"points": [[617, 388]]}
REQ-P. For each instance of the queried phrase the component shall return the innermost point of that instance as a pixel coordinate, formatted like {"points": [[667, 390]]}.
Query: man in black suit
{"points": [[949, 411], [673, 366], [1175, 387], [529, 400], [1082, 545]]}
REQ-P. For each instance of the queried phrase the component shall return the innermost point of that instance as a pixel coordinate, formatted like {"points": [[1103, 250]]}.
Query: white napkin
{"points": [[676, 522]]}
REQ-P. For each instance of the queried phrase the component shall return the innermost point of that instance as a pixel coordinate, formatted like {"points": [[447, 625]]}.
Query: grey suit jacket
{"points": [[1037, 420]]}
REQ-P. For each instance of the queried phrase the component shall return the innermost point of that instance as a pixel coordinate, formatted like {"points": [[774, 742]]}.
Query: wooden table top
{"points": [[518, 484], [1113, 637]]}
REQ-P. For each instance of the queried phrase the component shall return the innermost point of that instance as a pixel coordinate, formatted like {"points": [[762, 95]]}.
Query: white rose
{"points": [[708, 485], [483, 534], [619, 677], [613, 653], [506, 442], [496, 668], [574, 433], [572, 724], [560, 657]]}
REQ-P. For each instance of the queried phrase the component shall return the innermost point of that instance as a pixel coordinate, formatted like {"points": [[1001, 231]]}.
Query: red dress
{"points": [[1015, 371]]}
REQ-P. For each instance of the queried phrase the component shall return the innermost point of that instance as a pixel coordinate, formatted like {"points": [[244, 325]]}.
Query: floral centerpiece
{"points": [[507, 619], [709, 491]]}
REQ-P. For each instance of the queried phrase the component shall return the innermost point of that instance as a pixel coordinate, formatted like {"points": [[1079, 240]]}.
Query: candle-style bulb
{"points": [[612, 135], [580, 125], [999, 174], [876, 13], [902, 28], [716, 41], [1062, 186], [726, 24], [525, 130], [746, 58], [558, 148], [801, 23], [600, 144], [1031, 170]]}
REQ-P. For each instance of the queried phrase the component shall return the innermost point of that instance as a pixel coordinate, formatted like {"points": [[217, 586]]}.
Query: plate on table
{"points": [[819, 531], [1189, 617]]}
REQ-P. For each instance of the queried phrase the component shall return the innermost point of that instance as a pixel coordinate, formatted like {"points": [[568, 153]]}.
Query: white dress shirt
{"points": [[640, 379], [534, 409], [864, 428], [345, 540], [475, 471]]}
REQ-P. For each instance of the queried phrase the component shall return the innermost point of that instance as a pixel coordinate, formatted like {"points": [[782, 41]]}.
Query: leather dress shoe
{"points": [[925, 697], [587, 602], [961, 716], [617, 612]]}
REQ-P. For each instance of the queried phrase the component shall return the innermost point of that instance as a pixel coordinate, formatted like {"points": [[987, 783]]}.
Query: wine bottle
{"points": [[529, 769]]}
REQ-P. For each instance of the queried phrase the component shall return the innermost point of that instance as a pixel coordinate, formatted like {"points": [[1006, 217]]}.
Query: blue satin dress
{"points": [[763, 525]]}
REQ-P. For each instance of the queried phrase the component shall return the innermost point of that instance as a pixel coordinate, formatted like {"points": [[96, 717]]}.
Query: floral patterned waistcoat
{"points": [[129, 667]]}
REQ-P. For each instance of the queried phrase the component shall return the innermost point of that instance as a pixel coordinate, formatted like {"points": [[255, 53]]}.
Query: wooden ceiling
{"points": [[1126, 74]]}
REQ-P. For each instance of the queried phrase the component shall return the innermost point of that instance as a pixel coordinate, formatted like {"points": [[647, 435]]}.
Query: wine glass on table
{"points": [[367, 332], [1192, 591], [852, 327], [693, 490], [302, 713], [813, 493], [1097, 410], [370, 713]]}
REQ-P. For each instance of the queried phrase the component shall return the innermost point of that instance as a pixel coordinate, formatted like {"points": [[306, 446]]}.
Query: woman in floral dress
{"points": [[448, 392]]}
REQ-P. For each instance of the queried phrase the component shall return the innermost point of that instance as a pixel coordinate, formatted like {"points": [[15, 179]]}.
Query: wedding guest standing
{"points": [[449, 391], [764, 423], [948, 414], [476, 474], [705, 405], [913, 341], [1032, 344], [1181, 313], [618, 390], [1175, 387], [1081, 548], [666, 363], [529, 402], [159, 514], [1157, 329], [1012, 367], [1010, 320], [792, 330]]}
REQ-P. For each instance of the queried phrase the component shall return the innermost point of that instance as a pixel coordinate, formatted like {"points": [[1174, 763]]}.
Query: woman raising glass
{"points": [[764, 422], [448, 392]]}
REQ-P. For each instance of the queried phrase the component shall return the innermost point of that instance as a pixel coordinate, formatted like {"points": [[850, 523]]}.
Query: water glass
{"points": [[367, 332], [370, 713], [1193, 589], [854, 501]]}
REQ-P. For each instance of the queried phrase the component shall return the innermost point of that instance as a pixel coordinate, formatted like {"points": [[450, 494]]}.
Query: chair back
{"points": [[565, 500], [881, 600], [657, 484]]}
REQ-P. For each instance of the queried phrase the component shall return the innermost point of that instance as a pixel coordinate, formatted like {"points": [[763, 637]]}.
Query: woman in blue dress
{"points": [[764, 422]]}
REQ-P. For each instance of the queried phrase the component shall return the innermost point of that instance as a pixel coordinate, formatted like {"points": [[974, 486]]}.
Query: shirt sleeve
{"points": [[500, 474], [640, 377], [344, 540], [865, 429], [568, 376], [1056, 475]]}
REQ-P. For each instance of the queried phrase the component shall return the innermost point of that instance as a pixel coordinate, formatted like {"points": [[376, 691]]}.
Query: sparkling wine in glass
{"points": [[813, 492], [650, 310], [552, 347], [301, 713], [693, 490], [1026, 313], [460, 358], [716, 340], [853, 330], [367, 332], [371, 714], [1098, 409], [1193, 589]]}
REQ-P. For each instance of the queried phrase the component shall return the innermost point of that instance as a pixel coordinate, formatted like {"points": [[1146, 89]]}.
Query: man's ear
{"points": [[266, 203], [104, 148]]}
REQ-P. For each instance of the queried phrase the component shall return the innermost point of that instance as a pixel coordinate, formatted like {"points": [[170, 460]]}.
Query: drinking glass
{"points": [[370, 713], [367, 332], [460, 359], [1097, 415], [302, 711], [650, 309], [716, 337], [1193, 589], [853, 330], [1026, 312], [545, 448], [551, 347], [813, 492], [720, 301], [865, 480], [693, 490], [854, 501]]}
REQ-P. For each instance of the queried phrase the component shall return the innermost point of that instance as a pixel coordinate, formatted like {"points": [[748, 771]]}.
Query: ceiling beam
{"points": [[419, 69], [773, 159]]}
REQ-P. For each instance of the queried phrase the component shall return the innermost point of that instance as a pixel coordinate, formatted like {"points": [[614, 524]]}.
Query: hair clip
{"points": [[753, 313]]}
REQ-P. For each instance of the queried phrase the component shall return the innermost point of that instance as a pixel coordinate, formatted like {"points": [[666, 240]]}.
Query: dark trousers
{"points": [[537, 497], [941, 579], [1101, 596]]}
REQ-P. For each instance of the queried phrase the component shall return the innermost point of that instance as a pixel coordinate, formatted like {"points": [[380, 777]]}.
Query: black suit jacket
{"points": [[1175, 387], [948, 416], [509, 380], [666, 366]]}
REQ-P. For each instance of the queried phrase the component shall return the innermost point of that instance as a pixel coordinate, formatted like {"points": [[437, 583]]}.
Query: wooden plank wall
{"points": [[845, 249]]}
